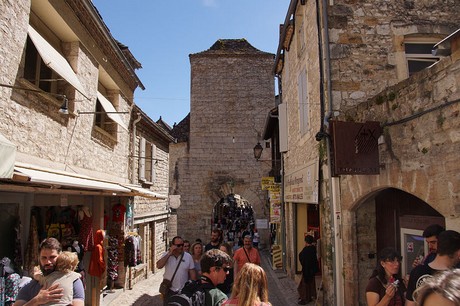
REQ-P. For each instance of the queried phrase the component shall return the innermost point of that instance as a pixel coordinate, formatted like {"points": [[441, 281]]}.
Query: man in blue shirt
{"points": [[33, 294]]}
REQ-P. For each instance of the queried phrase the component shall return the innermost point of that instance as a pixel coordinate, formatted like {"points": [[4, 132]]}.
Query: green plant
{"points": [[380, 100], [424, 150], [391, 96], [440, 120]]}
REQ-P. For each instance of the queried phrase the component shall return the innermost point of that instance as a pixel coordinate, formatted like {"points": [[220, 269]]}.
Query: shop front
{"points": [[302, 211], [38, 203]]}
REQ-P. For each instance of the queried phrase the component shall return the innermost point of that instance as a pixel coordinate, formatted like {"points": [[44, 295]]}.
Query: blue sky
{"points": [[162, 33]]}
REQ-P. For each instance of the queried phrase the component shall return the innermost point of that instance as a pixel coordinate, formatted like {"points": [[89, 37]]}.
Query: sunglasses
{"points": [[179, 245], [226, 269]]}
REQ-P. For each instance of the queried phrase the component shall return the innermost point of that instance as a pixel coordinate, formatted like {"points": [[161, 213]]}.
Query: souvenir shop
{"points": [[73, 219]]}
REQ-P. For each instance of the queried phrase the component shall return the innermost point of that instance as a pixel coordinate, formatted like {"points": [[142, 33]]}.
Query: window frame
{"points": [[419, 57], [147, 161]]}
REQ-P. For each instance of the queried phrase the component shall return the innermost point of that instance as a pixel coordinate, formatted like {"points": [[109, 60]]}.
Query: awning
{"points": [[67, 179], [7, 157], [111, 111], [139, 191], [55, 60]]}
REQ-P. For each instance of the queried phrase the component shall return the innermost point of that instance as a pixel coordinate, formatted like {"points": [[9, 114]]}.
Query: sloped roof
{"points": [[181, 131], [232, 46], [164, 124]]}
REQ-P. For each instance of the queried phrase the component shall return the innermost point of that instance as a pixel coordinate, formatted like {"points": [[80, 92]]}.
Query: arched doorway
{"points": [[234, 216], [391, 218]]}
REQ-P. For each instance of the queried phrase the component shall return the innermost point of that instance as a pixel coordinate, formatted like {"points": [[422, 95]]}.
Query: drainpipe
{"points": [[283, 210], [334, 186], [133, 146]]}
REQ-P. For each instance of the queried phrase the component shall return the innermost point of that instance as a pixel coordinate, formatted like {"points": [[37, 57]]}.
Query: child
{"points": [[64, 275]]}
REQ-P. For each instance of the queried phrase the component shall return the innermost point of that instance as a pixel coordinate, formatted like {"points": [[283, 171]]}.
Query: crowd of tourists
{"points": [[219, 274]]}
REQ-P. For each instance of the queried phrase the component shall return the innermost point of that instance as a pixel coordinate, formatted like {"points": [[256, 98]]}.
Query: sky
{"points": [[162, 33]]}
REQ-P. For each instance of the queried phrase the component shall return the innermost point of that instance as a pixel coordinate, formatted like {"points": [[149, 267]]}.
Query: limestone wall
{"points": [[230, 99]]}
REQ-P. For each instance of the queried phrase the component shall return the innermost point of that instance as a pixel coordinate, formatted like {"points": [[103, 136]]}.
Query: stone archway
{"points": [[379, 219], [233, 215]]}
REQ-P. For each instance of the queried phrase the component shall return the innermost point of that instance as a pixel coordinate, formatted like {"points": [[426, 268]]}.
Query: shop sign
{"points": [[174, 201], [275, 206], [261, 223], [355, 147], [301, 186], [268, 183]]}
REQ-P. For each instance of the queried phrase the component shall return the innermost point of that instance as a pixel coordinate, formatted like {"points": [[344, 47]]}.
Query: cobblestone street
{"points": [[282, 289]]}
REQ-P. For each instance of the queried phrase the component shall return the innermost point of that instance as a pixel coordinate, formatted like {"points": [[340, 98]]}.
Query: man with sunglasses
{"points": [[215, 265], [174, 258]]}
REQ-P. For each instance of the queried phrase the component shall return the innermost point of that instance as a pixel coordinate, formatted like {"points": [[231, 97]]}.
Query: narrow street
{"points": [[282, 289]]}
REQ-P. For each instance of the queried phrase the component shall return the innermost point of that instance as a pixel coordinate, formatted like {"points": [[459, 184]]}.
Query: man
{"points": [[215, 239], [309, 262], [187, 246], [33, 294], [448, 255], [430, 234], [245, 254], [215, 265], [176, 257]]}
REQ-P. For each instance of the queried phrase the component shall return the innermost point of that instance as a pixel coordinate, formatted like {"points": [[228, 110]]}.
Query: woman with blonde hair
{"points": [[250, 287]]}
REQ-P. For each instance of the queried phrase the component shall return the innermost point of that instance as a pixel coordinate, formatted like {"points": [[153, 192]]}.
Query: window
{"points": [[107, 117], [303, 101], [147, 161], [418, 54], [103, 121], [300, 34], [46, 68], [37, 72]]}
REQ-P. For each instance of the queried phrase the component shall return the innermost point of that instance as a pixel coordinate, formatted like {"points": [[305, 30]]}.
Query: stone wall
{"points": [[419, 155], [365, 45], [42, 135], [231, 95]]}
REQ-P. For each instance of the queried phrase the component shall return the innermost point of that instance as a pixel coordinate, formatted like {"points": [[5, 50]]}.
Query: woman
{"points": [[226, 286], [250, 287], [442, 289], [196, 250], [385, 287]]}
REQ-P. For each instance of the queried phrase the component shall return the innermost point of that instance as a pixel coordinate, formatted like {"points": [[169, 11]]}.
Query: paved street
{"points": [[282, 289]]}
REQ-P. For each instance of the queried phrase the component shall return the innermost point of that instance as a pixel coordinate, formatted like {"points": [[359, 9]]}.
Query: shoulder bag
{"points": [[166, 283]]}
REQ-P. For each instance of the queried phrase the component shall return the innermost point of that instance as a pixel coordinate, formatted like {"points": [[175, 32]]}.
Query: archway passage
{"points": [[235, 217], [392, 218]]}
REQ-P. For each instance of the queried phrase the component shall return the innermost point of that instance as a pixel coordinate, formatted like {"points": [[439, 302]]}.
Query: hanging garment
{"points": [[118, 213], [85, 236], [130, 252], [31, 256], [97, 263], [112, 258]]}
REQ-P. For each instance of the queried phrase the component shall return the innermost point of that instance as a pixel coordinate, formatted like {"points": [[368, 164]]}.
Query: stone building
{"points": [[149, 174], [68, 152], [345, 62], [212, 163]]}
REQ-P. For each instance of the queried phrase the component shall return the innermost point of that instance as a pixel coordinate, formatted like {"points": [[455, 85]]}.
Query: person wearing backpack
{"points": [[215, 265]]}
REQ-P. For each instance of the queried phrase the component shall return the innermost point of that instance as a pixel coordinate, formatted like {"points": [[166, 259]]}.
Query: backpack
{"points": [[192, 294]]}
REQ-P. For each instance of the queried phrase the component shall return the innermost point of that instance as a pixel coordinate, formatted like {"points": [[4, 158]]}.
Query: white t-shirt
{"points": [[181, 276]]}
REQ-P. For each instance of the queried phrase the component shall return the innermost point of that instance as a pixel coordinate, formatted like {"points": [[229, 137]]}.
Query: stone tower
{"points": [[232, 90]]}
